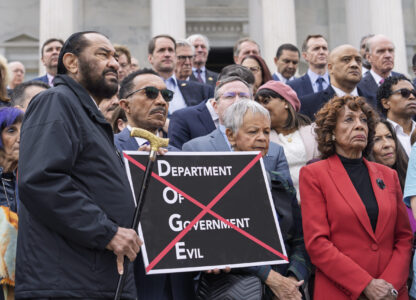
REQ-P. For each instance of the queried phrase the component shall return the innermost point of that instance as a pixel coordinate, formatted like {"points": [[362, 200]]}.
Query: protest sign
{"points": [[206, 210]]}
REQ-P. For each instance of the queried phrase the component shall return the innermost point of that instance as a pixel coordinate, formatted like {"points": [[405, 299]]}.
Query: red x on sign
{"points": [[205, 209]]}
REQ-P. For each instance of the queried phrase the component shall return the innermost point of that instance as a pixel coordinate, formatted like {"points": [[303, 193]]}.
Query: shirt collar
{"points": [[341, 93], [377, 77], [212, 112], [313, 76], [282, 78], [50, 78], [201, 68], [140, 141], [222, 129], [397, 126]]}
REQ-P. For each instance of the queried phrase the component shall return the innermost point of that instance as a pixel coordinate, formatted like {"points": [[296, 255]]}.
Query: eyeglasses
{"points": [[405, 93], [153, 92], [185, 57], [232, 95]]}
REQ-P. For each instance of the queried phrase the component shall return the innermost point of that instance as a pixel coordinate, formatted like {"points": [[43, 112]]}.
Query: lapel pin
{"points": [[380, 183], [210, 78], [183, 84]]}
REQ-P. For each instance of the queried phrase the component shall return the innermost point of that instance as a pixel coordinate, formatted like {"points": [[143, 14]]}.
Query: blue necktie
{"points": [[320, 81]]}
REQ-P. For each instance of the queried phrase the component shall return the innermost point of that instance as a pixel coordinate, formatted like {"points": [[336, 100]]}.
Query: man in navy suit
{"points": [[162, 57], [315, 52], [286, 61], [50, 53], [192, 122], [344, 67], [144, 98], [199, 72], [230, 90], [381, 57]]}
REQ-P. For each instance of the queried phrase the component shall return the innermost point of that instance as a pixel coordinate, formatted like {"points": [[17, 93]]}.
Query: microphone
{"points": [[380, 183]]}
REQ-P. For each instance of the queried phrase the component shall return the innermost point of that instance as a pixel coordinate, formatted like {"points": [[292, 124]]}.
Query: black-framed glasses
{"points": [[185, 57], [152, 93], [405, 93]]}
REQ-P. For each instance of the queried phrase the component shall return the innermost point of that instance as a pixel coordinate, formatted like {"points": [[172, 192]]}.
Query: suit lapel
{"points": [[205, 118], [349, 193], [382, 196], [218, 142], [128, 142], [308, 85]]}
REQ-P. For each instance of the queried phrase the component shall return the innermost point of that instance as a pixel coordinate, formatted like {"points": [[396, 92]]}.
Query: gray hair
{"points": [[184, 43], [226, 81], [234, 115], [371, 39], [192, 38]]}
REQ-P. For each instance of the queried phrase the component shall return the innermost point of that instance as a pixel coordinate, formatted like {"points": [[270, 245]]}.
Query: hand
{"points": [[378, 289], [125, 242], [146, 148], [218, 271], [284, 287]]}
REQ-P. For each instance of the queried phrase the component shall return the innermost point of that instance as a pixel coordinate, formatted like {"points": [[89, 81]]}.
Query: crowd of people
{"points": [[338, 146]]}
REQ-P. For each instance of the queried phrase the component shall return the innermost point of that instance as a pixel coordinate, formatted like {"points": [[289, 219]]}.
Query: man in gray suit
{"points": [[230, 90]]}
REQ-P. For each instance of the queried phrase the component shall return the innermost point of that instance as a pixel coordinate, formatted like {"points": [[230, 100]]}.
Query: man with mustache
{"points": [[108, 106], [145, 99], [50, 52], [344, 67], [380, 54], [76, 204]]}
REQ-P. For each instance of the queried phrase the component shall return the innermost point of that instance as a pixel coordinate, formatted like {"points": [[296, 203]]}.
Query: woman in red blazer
{"points": [[355, 225]]}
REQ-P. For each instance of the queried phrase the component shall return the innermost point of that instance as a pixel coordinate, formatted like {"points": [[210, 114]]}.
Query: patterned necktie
{"points": [[381, 81], [320, 81], [199, 77]]}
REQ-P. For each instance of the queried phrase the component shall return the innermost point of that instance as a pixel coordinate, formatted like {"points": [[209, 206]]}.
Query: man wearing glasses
{"points": [[145, 99], [185, 53], [230, 90], [396, 99], [162, 57]]}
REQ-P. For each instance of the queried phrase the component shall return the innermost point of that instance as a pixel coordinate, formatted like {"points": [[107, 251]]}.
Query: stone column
{"points": [[168, 17], [272, 23], [378, 17], [56, 21]]}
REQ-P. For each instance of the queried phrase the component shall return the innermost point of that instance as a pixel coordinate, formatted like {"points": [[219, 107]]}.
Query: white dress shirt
{"points": [[341, 93], [402, 136], [177, 102]]}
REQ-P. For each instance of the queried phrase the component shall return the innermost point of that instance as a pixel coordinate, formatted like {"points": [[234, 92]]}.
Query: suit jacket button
{"points": [[374, 247]]}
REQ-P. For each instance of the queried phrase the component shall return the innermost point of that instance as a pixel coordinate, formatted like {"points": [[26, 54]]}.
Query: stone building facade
{"points": [[27, 23]]}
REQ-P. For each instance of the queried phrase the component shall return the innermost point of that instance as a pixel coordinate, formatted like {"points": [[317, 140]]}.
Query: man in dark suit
{"points": [[145, 111], [192, 122], [162, 57], [50, 53], [344, 67], [381, 57], [199, 72], [315, 52], [286, 61]]}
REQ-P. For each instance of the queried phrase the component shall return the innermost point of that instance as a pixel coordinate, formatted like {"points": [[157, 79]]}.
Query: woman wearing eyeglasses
{"points": [[396, 99], [258, 67]]}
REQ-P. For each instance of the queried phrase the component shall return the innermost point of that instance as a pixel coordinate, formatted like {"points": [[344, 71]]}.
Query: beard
{"points": [[97, 84]]}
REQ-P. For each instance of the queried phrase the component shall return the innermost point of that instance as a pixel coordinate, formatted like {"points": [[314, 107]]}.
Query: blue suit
{"points": [[189, 123], [312, 103], [210, 77], [302, 85], [43, 78], [275, 77], [370, 87], [275, 159], [177, 286], [194, 92]]}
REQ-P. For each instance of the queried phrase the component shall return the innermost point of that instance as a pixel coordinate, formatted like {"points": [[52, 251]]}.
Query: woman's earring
{"points": [[286, 107], [333, 138]]}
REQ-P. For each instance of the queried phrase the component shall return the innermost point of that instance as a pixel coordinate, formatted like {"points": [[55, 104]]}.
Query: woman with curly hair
{"points": [[259, 68], [355, 224]]}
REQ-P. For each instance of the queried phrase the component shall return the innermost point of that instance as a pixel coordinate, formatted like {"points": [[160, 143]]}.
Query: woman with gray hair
{"points": [[248, 128]]}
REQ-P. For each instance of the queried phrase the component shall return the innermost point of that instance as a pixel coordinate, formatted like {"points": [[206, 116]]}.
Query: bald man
{"points": [[380, 51], [344, 68], [17, 72]]}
